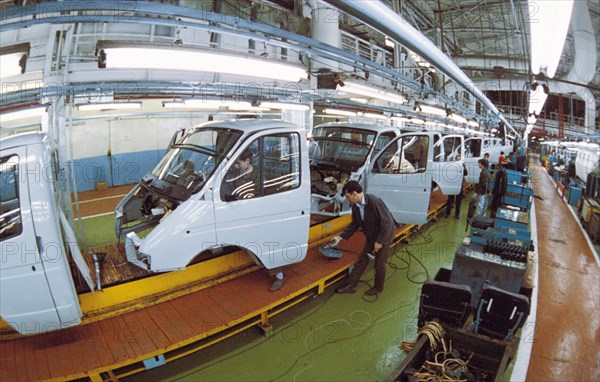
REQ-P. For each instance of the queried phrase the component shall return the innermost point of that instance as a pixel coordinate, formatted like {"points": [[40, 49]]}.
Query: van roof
{"points": [[22, 139], [251, 125], [364, 126]]}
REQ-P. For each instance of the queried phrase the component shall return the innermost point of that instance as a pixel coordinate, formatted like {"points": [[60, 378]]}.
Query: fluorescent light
{"points": [[389, 43], [110, 106], [340, 112], [537, 97], [210, 104], [374, 116], [131, 56], [458, 118], [175, 105], [23, 114], [473, 123], [359, 100], [286, 106], [549, 25], [13, 59], [432, 110], [371, 92], [417, 121], [400, 119]]}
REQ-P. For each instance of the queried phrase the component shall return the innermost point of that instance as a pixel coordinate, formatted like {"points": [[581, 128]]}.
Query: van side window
{"points": [[393, 160], [383, 140], [269, 165], [280, 163], [242, 179], [451, 149], [10, 207]]}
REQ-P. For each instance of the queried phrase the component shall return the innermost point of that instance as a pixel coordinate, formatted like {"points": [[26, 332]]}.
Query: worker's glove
{"points": [[334, 242]]}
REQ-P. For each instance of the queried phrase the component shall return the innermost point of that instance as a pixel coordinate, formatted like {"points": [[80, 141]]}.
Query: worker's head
{"points": [[188, 166], [352, 191], [486, 156], [245, 160], [482, 163]]}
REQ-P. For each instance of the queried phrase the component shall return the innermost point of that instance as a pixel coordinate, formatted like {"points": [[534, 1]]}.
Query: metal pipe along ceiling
{"points": [[382, 18]]}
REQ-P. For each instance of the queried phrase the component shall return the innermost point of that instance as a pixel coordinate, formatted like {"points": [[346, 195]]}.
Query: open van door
{"points": [[36, 289], [399, 176], [473, 152], [448, 159]]}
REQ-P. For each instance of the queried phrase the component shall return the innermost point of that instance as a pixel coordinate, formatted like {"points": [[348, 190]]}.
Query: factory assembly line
{"points": [[204, 286]]}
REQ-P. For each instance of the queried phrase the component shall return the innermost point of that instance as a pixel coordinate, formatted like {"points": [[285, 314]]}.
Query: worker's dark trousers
{"points": [[381, 257]]}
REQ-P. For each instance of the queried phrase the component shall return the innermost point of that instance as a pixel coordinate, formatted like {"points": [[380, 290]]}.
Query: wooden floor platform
{"points": [[132, 342]]}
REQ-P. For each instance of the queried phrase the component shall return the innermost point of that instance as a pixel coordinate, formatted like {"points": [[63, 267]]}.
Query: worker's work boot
{"points": [[346, 289], [277, 284]]}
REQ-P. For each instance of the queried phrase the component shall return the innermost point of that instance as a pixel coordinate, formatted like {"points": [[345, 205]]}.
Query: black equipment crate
{"points": [[500, 313], [489, 354], [443, 274], [448, 303]]}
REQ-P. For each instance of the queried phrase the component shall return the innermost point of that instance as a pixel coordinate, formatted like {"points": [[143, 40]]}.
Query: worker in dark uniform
{"points": [[370, 215]]}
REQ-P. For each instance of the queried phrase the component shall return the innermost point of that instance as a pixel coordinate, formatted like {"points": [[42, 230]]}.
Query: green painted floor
{"points": [[332, 337]]}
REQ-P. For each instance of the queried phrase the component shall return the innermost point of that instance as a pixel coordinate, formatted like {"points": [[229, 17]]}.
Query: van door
{"points": [[263, 201], [473, 153], [398, 176], [448, 164], [26, 302]]}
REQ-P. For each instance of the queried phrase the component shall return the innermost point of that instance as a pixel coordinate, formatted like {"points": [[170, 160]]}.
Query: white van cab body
{"points": [[477, 147], [400, 168], [37, 293]]}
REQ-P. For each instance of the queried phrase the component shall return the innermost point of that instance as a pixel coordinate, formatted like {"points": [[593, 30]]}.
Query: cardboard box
{"points": [[101, 186]]}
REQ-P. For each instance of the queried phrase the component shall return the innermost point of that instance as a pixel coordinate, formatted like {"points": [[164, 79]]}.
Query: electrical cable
{"points": [[427, 238], [367, 327]]}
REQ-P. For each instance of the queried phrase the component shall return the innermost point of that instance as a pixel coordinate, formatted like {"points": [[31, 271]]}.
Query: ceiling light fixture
{"points": [[36, 111], [285, 106], [359, 100], [417, 121], [13, 59], [537, 98], [458, 118], [209, 104], [549, 26], [431, 110], [112, 54], [110, 106], [345, 113], [374, 116], [371, 92]]}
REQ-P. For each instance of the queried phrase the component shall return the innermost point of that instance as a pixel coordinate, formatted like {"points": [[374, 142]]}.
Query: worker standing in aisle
{"points": [[370, 215]]}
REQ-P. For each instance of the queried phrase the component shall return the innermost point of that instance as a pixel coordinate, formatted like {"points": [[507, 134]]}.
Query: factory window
{"points": [[10, 208]]}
